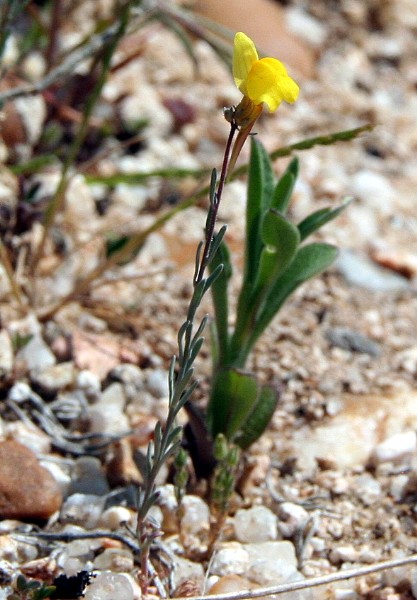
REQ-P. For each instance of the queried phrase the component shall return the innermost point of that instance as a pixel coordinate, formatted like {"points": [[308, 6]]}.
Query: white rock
{"points": [[62, 478], [107, 415], [114, 517], [185, 570], [398, 486], [109, 586], [231, 559], [373, 189], [157, 383], [343, 554], [82, 509], [6, 354], [89, 383], [119, 560], [195, 519], [271, 563], [131, 196], [36, 354], [32, 110], [293, 518], [256, 524], [306, 26], [396, 448], [367, 488]]}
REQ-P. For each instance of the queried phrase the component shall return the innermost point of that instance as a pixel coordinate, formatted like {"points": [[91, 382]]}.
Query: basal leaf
{"points": [[259, 418]]}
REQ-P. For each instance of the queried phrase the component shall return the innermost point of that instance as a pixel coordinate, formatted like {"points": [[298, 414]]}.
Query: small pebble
{"points": [[109, 586], [118, 560], [157, 383], [194, 521], [82, 509], [36, 355], [343, 554], [51, 380], [107, 415], [359, 270], [256, 524], [367, 489], [271, 563], [114, 517], [89, 383], [185, 570], [396, 448], [88, 477], [292, 518], [230, 559]]}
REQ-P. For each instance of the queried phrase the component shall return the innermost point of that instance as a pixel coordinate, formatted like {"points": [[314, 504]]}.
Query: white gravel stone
{"points": [[157, 383], [61, 477], [36, 354], [114, 517], [256, 524], [82, 509], [89, 383], [231, 559], [107, 415], [109, 586], [395, 448], [310, 29], [367, 489], [293, 518], [55, 378], [195, 520], [373, 189], [343, 554], [185, 570], [6, 354], [118, 560], [271, 563]]}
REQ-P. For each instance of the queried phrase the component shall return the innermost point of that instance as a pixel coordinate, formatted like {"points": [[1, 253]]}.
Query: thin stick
{"points": [[309, 583]]}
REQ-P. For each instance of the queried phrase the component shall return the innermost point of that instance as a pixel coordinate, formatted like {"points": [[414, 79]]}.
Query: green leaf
{"points": [[219, 294], [259, 418], [281, 239], [309, 261], [234, 394], [285, 186], [319, 218], [260, 188]]}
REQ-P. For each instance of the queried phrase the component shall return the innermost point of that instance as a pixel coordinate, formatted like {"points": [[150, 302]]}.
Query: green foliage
{"points": [[276, 263], [30, 589]]}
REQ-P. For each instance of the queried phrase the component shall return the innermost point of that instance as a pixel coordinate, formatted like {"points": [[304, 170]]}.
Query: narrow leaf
{"points": [[319, 218], [234, 394], [259, 418], [309, 261], [284, 188]]}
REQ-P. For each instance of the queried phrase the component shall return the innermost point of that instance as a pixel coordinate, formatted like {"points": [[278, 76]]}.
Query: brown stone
{"points": [[264, 22], [27, 491]]}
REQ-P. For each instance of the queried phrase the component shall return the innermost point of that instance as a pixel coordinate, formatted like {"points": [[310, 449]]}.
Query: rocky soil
{"points": [[332, 484]]}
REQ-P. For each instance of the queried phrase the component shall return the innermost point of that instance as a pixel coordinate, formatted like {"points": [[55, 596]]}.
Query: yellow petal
{"points": [[244, 57], [269, 82]]}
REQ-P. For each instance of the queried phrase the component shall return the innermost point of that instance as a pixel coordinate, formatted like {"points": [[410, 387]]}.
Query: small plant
{"points": [[276, 263], [29, 589]]}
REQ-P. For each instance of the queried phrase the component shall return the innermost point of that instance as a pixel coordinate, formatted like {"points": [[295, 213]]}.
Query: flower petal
{"points": [[244, 57], [269, 82]]}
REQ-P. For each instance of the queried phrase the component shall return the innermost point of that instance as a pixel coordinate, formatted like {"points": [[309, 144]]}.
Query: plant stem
{"points": [[214, 208]]}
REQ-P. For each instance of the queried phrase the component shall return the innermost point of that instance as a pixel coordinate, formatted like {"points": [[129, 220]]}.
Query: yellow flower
{"points": [[262, 81]]}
